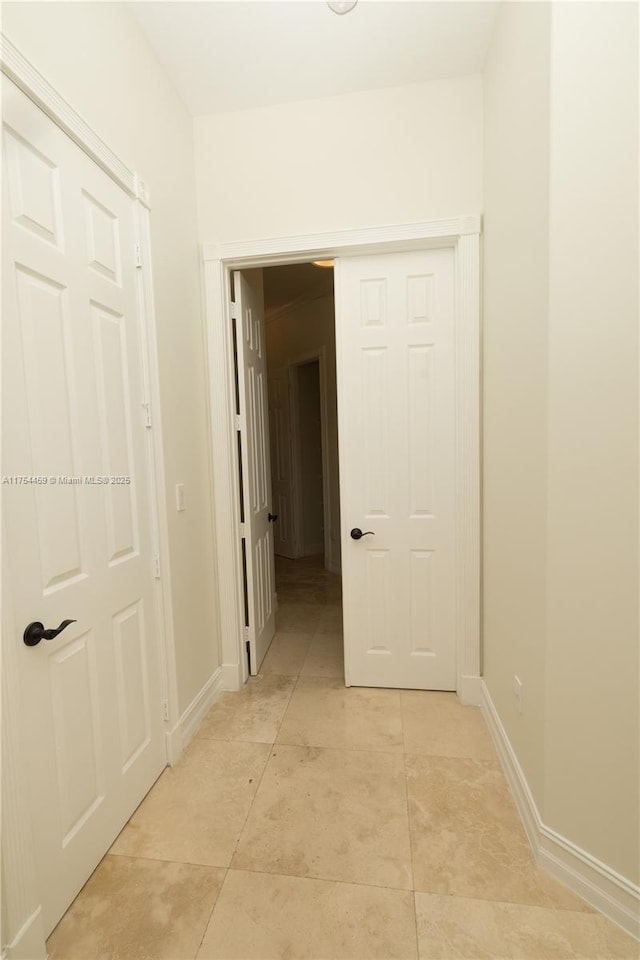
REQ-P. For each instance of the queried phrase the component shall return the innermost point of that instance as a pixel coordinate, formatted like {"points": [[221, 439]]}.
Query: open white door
{"points": [[281, 463], [257, 527], [75, 498], [396, 415]]}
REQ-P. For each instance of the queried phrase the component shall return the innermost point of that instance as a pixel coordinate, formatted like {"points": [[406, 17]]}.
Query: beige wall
{"points": [[380, 157], [96, 56], [295, 333], [592, 727], [560, 412], [516, 252]]}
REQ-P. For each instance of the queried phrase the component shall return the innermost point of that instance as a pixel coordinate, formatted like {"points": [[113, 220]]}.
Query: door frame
{"points": [[319, 354], [23, 933], [462, 234]]}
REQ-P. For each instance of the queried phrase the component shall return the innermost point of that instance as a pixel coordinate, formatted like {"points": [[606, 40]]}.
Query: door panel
{"points": [[256, 468], [395, 332], [79, 548]]}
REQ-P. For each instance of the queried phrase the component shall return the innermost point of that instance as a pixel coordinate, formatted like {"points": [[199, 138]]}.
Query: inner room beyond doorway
{"points": [[300, 343]]}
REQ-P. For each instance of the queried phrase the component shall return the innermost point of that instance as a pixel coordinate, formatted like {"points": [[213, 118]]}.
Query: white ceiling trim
{"points": [[317, 246]]}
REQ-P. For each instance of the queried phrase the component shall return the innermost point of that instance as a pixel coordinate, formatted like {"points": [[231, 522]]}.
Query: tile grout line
{"points": [[406, 797], [298, 876], [206, 926], [264, 769], [250, 808]]}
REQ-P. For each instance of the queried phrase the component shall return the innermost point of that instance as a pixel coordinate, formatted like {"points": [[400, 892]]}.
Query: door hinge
{"points": [[238, 421], [165, 709], [147, 413], [234, 311], [137, 254], [243, 530], [156, 568]]}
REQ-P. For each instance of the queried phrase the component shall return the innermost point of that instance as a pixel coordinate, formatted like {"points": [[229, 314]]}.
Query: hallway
{"points": [[311, 820]]}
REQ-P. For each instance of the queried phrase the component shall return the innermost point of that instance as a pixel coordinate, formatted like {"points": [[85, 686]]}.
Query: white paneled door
{"points": [[256, 516], [281, 464], [396, 412], [75, 494]]}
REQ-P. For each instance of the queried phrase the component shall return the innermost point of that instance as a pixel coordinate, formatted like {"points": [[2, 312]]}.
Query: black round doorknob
{"points": [[357, 534], [36, 632]]}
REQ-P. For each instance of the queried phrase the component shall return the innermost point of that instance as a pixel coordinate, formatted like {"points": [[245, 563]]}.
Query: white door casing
{"points": [[396, 416], [75, 406], [462, 235], [284, 534], [257, 530]]}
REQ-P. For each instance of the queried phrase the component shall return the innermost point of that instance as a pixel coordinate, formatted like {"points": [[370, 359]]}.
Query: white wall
{"points": [[296, 333], [561, 412], [381, 157], [98, 59]]}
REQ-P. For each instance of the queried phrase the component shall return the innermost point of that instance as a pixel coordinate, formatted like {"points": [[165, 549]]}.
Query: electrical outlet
{"points": [[517, 692], [179, 496]]}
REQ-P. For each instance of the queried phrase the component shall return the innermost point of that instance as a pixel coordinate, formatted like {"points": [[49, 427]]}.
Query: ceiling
{"points": [[225, 55], [292, 282]]}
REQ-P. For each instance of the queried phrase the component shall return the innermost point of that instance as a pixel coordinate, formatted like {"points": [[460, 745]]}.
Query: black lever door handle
{"points": [[357, 534], [272, 517], [36, 632]]}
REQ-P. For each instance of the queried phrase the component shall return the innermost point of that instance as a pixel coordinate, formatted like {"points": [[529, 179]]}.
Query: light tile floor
{"points": [[308, 820]]}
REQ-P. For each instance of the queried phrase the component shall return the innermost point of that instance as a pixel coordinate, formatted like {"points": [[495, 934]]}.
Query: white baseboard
{"points": [[231, 676], [173, 744], [470, 691], [29, 942], [613, 895], [199, 707]]}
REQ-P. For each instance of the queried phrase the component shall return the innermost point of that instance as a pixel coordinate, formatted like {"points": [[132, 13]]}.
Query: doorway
{"points": [[299, 308], [363, 324], [301, 368]]}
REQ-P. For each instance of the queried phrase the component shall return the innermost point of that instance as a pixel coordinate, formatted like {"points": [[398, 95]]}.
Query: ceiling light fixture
{"points": [[341, 6], [322, 263]]}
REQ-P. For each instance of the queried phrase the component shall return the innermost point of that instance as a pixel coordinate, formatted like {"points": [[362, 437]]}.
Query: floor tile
{"points": [[296, 592], [467, 838], [436, 724], [331, 619], [323, 712], [138, 910], [325, 657], [298, 617], [263, 917], [253, 713], [330, 814], [454, 928], [175, 821], [286, 655]]}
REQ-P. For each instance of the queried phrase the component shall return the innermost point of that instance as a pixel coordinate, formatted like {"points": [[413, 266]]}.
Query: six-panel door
{"points": [[256, 469], [395, 339], [76, 498]]}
